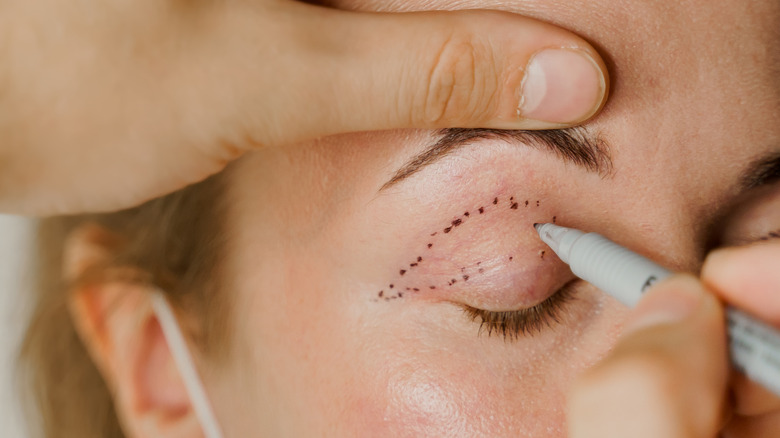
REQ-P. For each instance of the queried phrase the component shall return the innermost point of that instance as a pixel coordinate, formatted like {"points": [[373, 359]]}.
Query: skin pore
{"points": [[324, 346]]}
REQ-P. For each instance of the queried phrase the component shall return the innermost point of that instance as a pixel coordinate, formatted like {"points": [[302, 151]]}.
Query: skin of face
{"points": [[318, 351]]}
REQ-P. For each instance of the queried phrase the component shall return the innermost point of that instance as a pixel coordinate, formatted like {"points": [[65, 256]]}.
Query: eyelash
{"points": [[513, 324]]}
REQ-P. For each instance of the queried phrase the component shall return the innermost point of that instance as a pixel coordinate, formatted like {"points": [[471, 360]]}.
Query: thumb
{"points": [[428, 70], [747, 277], [667, 375]]}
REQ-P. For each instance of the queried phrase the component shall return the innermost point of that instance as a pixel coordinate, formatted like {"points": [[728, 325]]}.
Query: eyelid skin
{"points": [[487, 257], [473, 220], [756, 217], [503, 285]]}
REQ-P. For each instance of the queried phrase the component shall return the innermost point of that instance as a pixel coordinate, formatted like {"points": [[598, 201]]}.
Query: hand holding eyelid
{"points": [[251, 75], [667, 375], [747, 276]]}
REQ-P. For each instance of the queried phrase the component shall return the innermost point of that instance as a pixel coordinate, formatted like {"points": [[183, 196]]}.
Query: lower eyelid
{"points": [[513, 324]]}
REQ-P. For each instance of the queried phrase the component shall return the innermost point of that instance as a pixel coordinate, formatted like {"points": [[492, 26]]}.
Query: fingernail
{"points": [[670, 302], [561, 86]]}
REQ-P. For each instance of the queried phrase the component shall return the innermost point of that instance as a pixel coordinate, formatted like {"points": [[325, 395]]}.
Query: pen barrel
{"points": [[754, 348], [615, 270]]}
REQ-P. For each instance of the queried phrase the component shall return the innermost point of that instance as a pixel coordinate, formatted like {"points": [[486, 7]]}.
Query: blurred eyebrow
{"points": [[575, 145]]}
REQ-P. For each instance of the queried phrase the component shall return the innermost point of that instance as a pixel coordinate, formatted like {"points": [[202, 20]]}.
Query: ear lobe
{"points": [[123, 336]]}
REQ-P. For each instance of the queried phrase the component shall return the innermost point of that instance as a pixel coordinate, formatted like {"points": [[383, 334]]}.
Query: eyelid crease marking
{"points": [[473, 270], [763, 238]]}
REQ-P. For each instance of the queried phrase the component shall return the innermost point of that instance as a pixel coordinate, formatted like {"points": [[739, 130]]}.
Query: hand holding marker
{"points": [[754, 346]]}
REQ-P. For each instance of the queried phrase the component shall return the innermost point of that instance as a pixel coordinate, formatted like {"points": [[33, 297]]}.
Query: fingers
{"points": [[344, 71], [747, 277], [667, 375], [152, 96]]}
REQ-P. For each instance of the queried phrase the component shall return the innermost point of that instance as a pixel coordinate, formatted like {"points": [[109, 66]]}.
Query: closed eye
{"points": [[513, 324]]}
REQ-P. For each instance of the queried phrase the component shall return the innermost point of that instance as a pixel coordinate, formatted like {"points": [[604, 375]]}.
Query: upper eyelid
{"points": [[718, 235], [771, 235], [533, 320], [751, 240]]}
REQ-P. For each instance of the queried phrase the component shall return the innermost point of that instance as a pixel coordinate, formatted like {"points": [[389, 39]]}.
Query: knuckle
{"points": [[459, 82]]}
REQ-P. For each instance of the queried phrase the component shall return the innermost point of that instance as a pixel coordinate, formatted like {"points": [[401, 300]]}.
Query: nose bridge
{"points": [[661, 199]]}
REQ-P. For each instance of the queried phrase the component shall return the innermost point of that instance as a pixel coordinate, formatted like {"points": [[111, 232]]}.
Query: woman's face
{"points": [[353, 257]]}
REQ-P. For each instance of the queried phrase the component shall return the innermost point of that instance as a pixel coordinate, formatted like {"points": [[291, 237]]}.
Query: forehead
{"points": [[695, 97], [688, 77], [645, 39]]}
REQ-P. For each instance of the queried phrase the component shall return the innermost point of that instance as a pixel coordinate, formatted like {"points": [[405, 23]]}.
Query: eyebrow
{"points": [[576, 145]]}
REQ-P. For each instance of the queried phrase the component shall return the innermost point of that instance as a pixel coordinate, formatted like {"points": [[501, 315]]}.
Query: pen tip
{"points": [[537, 225]]}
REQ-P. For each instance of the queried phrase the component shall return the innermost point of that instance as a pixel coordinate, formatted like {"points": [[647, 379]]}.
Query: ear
{"points": [[117, 324]]}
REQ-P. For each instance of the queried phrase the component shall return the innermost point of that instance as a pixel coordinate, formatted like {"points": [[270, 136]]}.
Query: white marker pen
{"points": [[754, 346]]}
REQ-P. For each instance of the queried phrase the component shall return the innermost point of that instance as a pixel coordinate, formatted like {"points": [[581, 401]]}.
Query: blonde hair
{"points": [[179, 242]]}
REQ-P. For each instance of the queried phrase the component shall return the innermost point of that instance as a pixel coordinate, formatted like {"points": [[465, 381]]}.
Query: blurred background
{"points": [[15, 280]]}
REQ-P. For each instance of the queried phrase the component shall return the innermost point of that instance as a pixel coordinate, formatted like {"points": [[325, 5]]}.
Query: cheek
{"points": [[446, 396], [322, 362], [422, 385], [423, 403]]}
